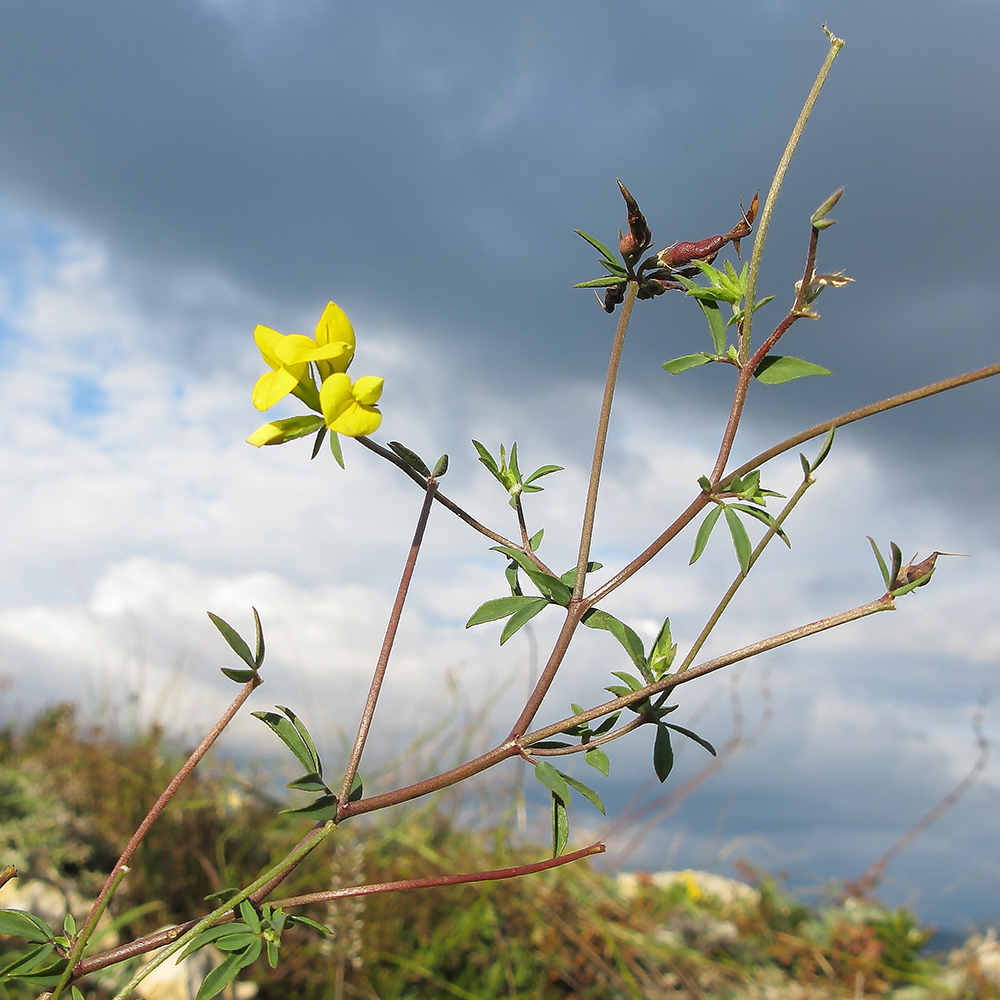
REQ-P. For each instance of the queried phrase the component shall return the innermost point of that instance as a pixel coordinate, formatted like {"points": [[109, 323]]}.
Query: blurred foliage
{"points": [[71, 795]]}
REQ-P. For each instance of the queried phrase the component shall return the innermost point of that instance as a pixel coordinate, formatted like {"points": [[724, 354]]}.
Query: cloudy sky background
{"points": [[172, 175]]}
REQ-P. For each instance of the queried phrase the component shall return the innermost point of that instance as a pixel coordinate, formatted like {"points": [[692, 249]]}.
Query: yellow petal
{"points": [[335, 395], [334, 326], [264, 435], [274, 386], [368, 389], [341, 409], [357, 421], [268, 340]]}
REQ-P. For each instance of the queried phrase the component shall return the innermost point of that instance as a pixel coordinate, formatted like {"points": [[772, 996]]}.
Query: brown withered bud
{"points": [[638, 238], [921, 572], [650, 288], [680, 255], [613, 296]]}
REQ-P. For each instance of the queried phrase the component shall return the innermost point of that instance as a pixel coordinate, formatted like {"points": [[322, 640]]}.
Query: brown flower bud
{"points": [[638, 238]]}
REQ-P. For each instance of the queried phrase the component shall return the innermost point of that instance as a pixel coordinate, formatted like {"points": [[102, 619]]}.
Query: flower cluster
{"points": [[296, 362]]}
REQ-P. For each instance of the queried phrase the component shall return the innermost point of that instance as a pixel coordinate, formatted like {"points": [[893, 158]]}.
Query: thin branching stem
{"points": [[168, 935], [720, 608], [852, 416], [308, 844], [438, 496], [390, 636], [701, 501], [435, 881], [514, 746], [121, 865], [604, 420], [836, 44], [884, 603]]}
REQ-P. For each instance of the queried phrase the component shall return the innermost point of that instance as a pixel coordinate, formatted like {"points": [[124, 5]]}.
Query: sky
{"points": [[173, 175]]}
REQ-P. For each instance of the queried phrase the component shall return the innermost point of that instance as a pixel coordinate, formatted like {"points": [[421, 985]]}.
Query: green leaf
{"points": [[18, 923], [545, 470], [210, 934], [240, 675], [551, 586], [691, 736], [441, 467], [615, 268], [335, 449], [317, 766], [236, 643], [552, 779], [309, 783], [824, 451], [661, 656], [663, 753], [630, 679], [33, 963], [291, 428], [608, 279], [249, 915], [704, 532], [741, 540], [763, 517], [536, 540], [599, 619], [738, 316], [75, 993], [607, 724], [323, 808], [881, 563], [897, 562], [258, 658], [560, 826], [569, 577], [272, 952], [289, 735], [682, 364], [357, 789], [235, 942], [219, 978], [596, 757], [774, 369], [318, 443], [716, 325], [411, 458], [521, 618], [587, 792], [297, 918], [500, 607], [598, 246], [487, 459]]}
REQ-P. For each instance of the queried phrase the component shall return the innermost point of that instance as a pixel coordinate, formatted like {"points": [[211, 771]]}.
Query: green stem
{"points": [[318, 835], [772, 530], [836, 44]]}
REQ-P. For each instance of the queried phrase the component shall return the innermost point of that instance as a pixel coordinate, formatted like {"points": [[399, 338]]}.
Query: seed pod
{"points": [[638, 238]]}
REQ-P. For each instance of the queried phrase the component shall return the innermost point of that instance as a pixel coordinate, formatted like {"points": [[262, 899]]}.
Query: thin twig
{"points": [[390, 636], [121, 865], [836, 44]]}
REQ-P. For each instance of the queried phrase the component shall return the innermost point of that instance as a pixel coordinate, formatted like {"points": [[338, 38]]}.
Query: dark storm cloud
{"points": [[426, 164]]}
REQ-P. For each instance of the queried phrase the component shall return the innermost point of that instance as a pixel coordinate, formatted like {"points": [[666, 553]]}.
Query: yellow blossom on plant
{"points": [[332, 349], [348, 408]]}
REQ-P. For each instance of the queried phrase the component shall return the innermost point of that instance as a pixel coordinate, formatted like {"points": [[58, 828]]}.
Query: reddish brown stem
{"points": [[390, 635], [165, 796], [168, 935]]}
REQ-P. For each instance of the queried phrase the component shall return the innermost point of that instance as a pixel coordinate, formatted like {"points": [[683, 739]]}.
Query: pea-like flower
{"points": [[332, 349], [348, 408]]}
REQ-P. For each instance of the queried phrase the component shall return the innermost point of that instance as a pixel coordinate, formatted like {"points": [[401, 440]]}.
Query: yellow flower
{"points": [[332, 349], [350, 409]]}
